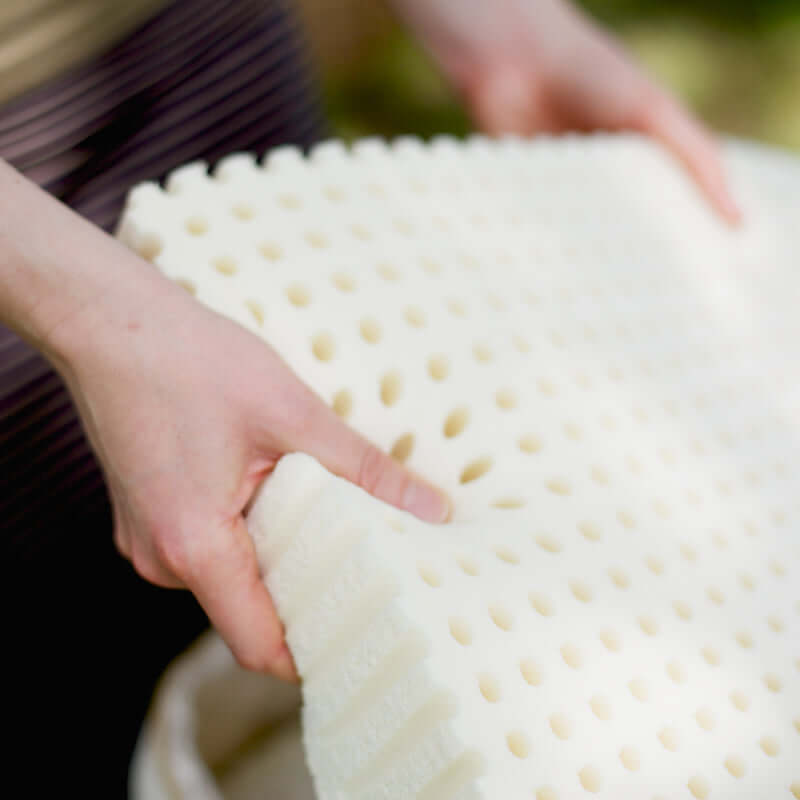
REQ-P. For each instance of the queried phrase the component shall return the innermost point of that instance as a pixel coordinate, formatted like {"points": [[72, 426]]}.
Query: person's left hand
{"points": [[528, 66]]}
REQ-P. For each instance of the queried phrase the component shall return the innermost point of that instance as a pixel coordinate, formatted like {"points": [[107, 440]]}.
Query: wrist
{"points": [[65, 285]]}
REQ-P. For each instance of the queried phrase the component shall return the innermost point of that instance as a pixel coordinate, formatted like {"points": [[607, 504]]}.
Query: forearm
{"points": [[58, 272]]}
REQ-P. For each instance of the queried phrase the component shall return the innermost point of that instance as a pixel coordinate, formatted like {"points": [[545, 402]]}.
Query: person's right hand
{"points": [[188, 412]]}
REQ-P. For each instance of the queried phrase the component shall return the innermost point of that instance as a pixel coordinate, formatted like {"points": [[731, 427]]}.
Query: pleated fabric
{"points": [[88, 638]]}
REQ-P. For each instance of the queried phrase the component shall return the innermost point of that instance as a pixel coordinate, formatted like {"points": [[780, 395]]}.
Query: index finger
{"points": [[667, 121]]}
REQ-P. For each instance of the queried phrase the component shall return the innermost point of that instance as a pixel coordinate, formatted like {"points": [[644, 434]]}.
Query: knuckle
{"points": [[373, 467], [145, 566], [293, 409], [381, 476], [647, 108], [171, 551], [121, 541], [255, 660]]}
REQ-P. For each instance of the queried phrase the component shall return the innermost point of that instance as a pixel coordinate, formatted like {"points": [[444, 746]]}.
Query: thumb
{"points": [[345, 453]]}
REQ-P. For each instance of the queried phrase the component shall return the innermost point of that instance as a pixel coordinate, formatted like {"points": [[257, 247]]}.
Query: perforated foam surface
{"points": [[605, 379]]}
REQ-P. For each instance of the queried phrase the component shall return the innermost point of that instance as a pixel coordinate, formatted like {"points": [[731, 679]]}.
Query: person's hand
{"points": [[188, 413], [527, 66], [186, 410]]}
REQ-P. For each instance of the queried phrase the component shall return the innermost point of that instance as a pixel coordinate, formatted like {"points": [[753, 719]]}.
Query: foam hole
{"points": [[197, 226], [323, 346], [401, 449], [225, 265], [529, 443], [414, 317], [490, 688], [460, 631], [530, 673], [343, 403], [590, 779], [507, 555], [270, 251], [298, 295], [456, 422], [561, 726], [501, 617], [391, 387], [343, 282], [429, 575], [699, 787], [438, 367], [475, 469], [370, 330], [256, 310], [243, 212], [518, 744]]}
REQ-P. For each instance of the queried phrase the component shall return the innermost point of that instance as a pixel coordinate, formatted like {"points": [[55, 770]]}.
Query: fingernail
{"points": [[425, 502], [734, 212], [284, 667]]}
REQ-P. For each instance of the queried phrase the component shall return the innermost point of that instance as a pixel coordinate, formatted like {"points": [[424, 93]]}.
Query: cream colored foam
{"points": [[605, 379]]}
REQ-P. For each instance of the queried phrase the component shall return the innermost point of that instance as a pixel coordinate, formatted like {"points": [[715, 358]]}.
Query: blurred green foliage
{"points": [[735, 62], [728, 13]]}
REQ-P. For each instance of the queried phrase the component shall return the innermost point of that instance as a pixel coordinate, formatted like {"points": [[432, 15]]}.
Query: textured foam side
{"points": [[605, 379]]}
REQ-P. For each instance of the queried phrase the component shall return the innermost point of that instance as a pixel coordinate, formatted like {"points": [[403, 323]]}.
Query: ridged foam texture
{"points": [[606, 380]]}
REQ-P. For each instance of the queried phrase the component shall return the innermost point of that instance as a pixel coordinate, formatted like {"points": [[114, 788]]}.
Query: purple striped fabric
{"points": [[201, 79]]}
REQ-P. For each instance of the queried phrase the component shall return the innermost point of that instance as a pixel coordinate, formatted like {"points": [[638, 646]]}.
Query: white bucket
{"points": [[217, 732]]}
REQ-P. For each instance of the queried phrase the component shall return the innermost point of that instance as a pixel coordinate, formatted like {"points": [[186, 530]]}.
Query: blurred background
{"points": [[735, 62]]}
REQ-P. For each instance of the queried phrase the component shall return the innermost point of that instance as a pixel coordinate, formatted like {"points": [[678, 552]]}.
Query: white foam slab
{"points": [[605, 378]]}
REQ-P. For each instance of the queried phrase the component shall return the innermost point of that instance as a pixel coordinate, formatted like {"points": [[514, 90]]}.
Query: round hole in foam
{"points": [[509, 503], [270, 251], [501, 617], [571, 655], [506, 399], [699, 787], [455, 422], [469, 566], [460, 631], [438, 367], [323, 346], [518, 744], [489, 688], [414, 316], [370, 330], [530, 672], [629, 757], [243, 212], [343, 282], [506, 554], [429, 575], [402, 448], [601, 708], [256, 310], [735, 766], [197, 226], [529, 443], [541, 604], [590, 779], [187, 285], [560, 725], [475, 469], [343, 403], [149, 248], [225, 265], [298, 295], [391, 387]]}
